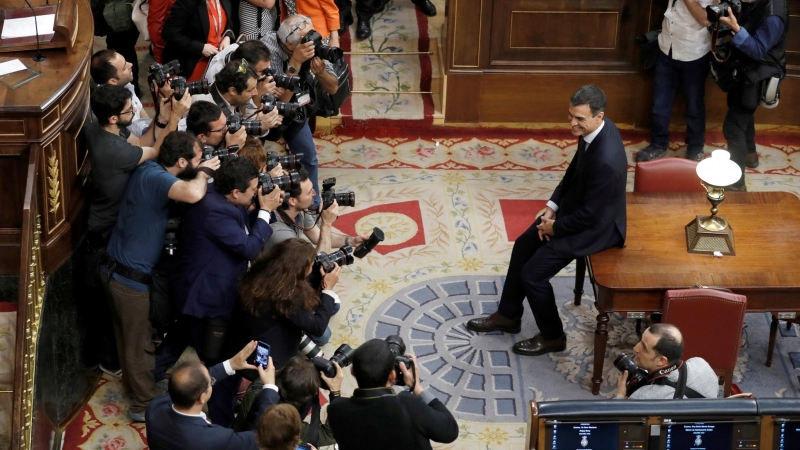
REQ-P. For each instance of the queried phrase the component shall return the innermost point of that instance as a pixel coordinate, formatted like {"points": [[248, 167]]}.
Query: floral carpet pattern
{"points": [[451, 207]]}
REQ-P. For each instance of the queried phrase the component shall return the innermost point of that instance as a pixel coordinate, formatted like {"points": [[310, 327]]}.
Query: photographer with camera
{"points": [[218, 240], [755, 67], [293, 220], [135, 248], [254, 152], [207, 121], [177, 421], [684, 44], [296, 63], [376, 417], [657, 371], [234, 90], [257, 56]]}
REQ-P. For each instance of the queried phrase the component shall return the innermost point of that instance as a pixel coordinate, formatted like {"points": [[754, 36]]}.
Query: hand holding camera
{"points": [[317, 66], [410, 377], [330, 279], [237, 138], [271, 119], [212, 164], [269, 201], [335, 383], [302, 53], [180, 106], [729, 19], [330, 214]]}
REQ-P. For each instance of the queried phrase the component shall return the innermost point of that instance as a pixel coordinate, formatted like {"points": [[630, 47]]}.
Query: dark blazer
{"points": [[169, 430], [214, 252], [591, 213], [185, 31], [379, 419], [281, 333]]}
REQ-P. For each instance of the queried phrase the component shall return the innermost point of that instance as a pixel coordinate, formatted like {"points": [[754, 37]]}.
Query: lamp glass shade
{"points": [[719, 170]]}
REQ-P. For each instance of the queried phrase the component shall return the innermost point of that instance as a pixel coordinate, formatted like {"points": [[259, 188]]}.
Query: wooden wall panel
{"points": [[534, 30], [466, 25]]}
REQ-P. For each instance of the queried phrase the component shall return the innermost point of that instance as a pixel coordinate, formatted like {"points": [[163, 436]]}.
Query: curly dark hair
{"points": [[276, 283]]}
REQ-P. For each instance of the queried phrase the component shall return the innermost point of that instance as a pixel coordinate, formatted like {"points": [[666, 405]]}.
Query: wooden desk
{"points": [[766, 268]]}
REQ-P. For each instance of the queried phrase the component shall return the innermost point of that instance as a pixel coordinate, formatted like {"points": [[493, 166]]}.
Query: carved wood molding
{"points": [[33, 309], [53, 184]]}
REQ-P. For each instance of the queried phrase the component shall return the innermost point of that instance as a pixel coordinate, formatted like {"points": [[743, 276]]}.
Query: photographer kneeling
{"points": [[661, 371], [207, 121], [375, 417]]}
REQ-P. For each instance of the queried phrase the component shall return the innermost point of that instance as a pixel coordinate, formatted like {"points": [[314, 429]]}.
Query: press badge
{"points": [[304, 99]]}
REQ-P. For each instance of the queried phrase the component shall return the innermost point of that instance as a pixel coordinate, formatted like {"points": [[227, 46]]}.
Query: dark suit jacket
{"points": [[214, 252], [168, 430], [185, 31], [379, 419], [591, 213]]}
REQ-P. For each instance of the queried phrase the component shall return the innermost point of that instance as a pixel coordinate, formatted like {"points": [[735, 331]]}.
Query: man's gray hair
{"points": [[590, 95], [288, 29]]}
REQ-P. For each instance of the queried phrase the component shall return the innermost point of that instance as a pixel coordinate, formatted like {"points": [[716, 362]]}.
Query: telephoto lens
{"points": [[161, 72], [329, 195], [284, 183], [285, 109], [210, 152], [285, 81], [374, 239], [330, 54], [287, 162], [328, 262], [398, 348], [197, 87]]}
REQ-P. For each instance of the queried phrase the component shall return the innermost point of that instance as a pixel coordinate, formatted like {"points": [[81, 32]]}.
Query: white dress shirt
{"points": [[680, 31]]}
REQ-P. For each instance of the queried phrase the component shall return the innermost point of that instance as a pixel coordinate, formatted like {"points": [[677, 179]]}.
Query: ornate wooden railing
{"points": [[31, 297]]}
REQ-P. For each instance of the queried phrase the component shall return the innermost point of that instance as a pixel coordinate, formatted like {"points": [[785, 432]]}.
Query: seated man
{"points": [[294, 221], [375, 417], [659, 353], [207, 121], [178, 422]]}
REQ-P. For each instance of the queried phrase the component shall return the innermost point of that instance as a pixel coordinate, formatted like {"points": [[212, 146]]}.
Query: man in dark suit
{"points": [[177, 421], [218, 239], [585, 215], [377, 418]]}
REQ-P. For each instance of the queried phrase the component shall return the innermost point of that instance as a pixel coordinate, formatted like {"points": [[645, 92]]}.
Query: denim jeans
{"points": [[669, 76], [302, 141], [326, 336]]}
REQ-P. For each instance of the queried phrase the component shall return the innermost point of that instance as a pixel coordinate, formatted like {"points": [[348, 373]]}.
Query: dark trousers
{"points": [[186, 330], [99, 344], [533, 263], [670, 75], [124, 43], [365, 9], [739, 126]]}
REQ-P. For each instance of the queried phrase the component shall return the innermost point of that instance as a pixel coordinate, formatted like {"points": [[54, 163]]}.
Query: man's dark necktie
{"points": [[581, 145]]}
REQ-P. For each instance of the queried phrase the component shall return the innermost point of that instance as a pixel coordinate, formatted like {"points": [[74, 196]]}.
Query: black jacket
{"points": [[185, 31], [380, 419], [591, 213], [774, 62]]}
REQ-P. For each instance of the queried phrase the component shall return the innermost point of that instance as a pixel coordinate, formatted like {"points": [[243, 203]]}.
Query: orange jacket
{"points": [[324, 14]]}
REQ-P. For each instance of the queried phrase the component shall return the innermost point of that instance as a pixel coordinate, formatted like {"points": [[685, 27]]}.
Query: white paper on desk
{"points": [[25, 26], [12, 66]]}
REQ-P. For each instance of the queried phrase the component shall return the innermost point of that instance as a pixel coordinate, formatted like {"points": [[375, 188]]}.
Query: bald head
{"points": [[188, 382], [670, 341]]}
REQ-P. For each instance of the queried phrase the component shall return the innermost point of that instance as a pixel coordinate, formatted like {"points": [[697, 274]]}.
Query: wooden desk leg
{"points": [[773, 330], [600, 341]]}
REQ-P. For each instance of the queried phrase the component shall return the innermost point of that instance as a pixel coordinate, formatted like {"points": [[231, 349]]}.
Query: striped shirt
{"points": [[255, 21]]}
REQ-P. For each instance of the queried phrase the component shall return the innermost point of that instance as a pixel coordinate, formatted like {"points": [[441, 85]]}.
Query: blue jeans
{"points": [[670, 75], [301, 141], [326, 336]]}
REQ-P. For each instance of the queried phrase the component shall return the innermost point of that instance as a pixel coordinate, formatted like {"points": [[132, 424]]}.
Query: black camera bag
{"points": [[648, 49], [327, 105]]}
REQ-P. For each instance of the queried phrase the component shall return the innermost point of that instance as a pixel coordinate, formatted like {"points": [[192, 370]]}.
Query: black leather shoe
{"points": [[650, 153], [751, 160], [427, 7], [695, 154], [494, 322], [344, 24], [536, 346], [363, 30]]}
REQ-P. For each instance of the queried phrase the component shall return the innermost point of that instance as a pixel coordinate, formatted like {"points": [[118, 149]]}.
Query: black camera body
{"points": [[285, 109], [714, 12], [282, 80], [331, 54], [342, 257], [180, 87], [347, 198], [287, 162], [637, 377], [398, 349], [284, 183], [342, 356], [251, 127], [171, 235], [210, 152], [160, 73]]}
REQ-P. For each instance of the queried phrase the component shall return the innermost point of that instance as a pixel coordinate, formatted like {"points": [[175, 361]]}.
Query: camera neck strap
{"points": [[660, 378], [293, 222]]}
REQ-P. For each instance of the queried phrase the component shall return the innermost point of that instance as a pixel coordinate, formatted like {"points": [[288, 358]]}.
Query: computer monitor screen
{"points": [[710, 434], [625, 434], [787, 434]]}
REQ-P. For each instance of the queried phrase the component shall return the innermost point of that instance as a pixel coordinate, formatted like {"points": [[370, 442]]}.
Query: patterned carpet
{"points": [[451, 202]]}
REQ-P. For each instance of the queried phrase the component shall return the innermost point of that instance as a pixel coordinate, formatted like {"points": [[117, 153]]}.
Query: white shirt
{"points": [[138, 125], [588, 139], [683, 33]]}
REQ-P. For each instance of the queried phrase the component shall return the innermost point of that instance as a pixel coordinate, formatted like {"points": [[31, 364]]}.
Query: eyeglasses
{"points": [[302, 24], [221, 130], [213, 381], [130, 111]]}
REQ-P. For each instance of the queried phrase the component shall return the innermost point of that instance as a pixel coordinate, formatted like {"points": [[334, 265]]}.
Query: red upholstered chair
{"points": [[659, 175], [716, 340], [667, 175]]}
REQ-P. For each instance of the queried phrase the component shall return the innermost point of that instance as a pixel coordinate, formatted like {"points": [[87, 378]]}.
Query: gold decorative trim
{"points": [[35, 296], [53, 183]]}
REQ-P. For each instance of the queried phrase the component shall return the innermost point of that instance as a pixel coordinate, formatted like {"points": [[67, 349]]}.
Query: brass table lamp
{"points": [[710, 234]]}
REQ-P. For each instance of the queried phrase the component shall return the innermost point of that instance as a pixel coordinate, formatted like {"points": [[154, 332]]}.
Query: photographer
{"points": [[298, 60], [376, 417], [758, 55], [684, 44], [234, 89], [257, 56], [207, 121], [298, 383], [659, 353], [218, 240], [254, 152], [135, 248], [294, 221], [177, 422]]}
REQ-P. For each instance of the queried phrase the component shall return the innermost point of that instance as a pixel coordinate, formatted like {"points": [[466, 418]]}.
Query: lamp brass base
{"points": [[700, 240]]}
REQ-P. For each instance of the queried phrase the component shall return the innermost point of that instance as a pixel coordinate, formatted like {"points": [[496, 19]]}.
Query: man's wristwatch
{"points": [[347, 240], [160, 124], [292, 70]]}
